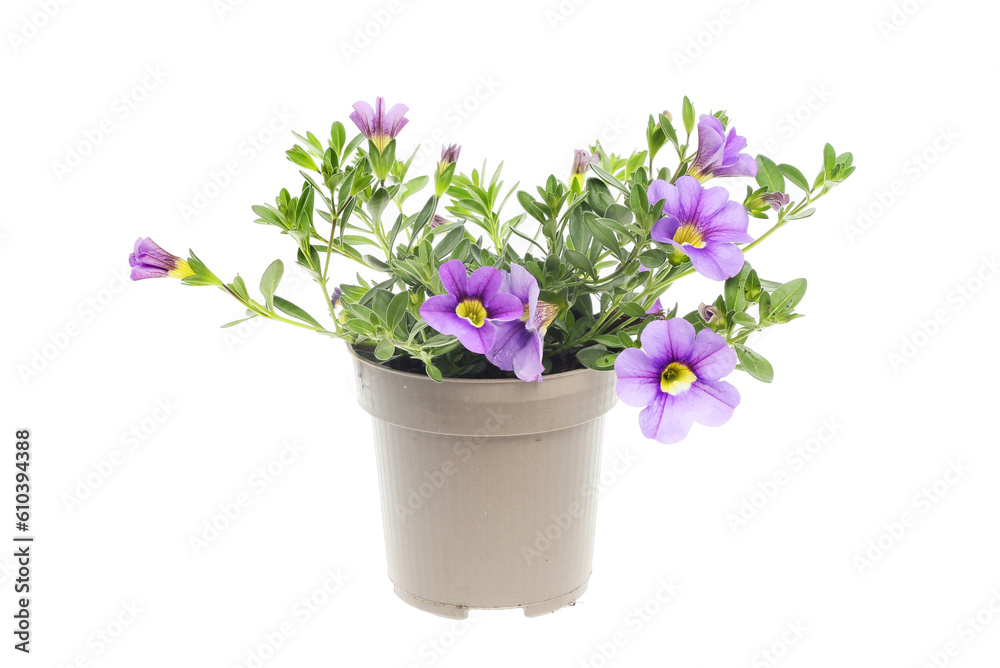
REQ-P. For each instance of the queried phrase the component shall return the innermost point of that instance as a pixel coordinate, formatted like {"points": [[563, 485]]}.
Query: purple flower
{"points": [[471, 305], [377, 125], [775, 200], [677, 378], [703, 224], [519, 343], [581, 162], [449, 155], [719, 155], [710, 314], [438, 220], [335, 298], [148, 260]]}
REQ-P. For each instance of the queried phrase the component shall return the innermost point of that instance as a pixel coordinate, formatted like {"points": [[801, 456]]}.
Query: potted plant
{"points": [[489, 344]]}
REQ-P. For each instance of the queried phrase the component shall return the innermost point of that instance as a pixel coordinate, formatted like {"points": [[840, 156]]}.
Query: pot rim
{"points": [[470, 381]]}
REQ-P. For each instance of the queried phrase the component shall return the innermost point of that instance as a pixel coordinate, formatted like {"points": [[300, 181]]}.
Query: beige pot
{"points": [[489, 487]]}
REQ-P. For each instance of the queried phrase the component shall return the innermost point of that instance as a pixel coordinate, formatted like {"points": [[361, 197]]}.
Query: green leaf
{"points": [[241, 288], [632, 310], [668, 129], [602, 232], [433, 372], [754, 364], [597, 357], [581, 262], [829, 159], [270, 280], [236, 322], [397, 310], [688, 113], [384, 350], [788, 295], [768, 175], [609, 179], [291, 309], [795, 176], [733, 291], [301, 158]]}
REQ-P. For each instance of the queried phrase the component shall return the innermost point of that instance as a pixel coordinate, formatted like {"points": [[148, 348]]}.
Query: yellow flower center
{"points": [[689, 234], [473, 311], [181, 270], [676, 378]]}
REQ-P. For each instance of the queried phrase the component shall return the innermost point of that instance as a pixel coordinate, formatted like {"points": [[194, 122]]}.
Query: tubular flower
{"points": [[703, 224], [449, 156], [519, 343], [148, 260], [718, 154], [471, 305], [581, 162], [677, 378], [377, 125]]}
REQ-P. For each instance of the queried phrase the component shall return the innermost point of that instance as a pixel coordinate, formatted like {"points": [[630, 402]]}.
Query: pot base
{"points": [[462, 611]]}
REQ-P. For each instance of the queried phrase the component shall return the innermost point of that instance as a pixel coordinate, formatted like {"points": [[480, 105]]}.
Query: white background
{"points": [[913, 100]]}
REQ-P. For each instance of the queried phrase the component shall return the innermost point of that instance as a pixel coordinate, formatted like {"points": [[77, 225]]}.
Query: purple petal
{"points": [[394, 121], [503, 307], [663, 421], [439, 312], [484, 282], [638, 377], [728, 224], [364, 118], [712, 358], [711, 202], [455, 278], [744, 166], [379, 114], [660, 189], [717, 260], [689, 195], [710, 404], [141, 271], [528, 364], [666, 341], [511, 336], [520, 283], [664, 229]]}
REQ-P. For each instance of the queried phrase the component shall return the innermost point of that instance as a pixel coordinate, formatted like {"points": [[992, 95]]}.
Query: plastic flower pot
{"points": [[489, 487]]}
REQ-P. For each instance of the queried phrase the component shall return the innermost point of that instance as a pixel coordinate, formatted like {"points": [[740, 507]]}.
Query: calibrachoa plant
{"points": [[464, 288]]}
